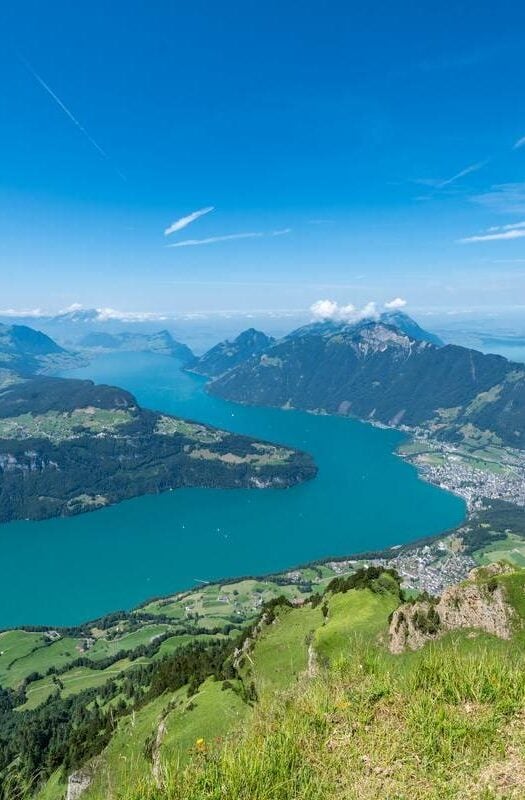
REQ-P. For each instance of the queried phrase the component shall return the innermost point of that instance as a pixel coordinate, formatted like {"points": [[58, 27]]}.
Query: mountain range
{"points": [[384, 373], [27, 351], [70, 326], [161, 343]]}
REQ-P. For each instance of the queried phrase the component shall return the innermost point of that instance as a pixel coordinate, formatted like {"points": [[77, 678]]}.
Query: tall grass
{"points": [[369, 728]]}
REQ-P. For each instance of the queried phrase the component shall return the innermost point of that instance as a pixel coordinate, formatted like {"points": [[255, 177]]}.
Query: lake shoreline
{"points": [[364, 499]]}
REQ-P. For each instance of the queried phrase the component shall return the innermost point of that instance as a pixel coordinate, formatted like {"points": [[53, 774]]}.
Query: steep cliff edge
{"points": [[481, 603]]}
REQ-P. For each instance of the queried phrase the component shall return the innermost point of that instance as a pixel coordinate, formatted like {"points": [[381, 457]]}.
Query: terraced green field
{"points": [[39, 659], [510, 549], [72, 682], [15, 645], [105, 648], [187, 616], [62, 426]]}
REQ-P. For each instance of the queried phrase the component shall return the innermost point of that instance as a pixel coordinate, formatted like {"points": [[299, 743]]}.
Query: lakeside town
{"points": [[475, 473], [427, 568]]}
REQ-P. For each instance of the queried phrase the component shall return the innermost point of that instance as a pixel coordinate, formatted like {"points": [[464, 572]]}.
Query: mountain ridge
{"points": [[378, 373], [161, 343], [26, 350], [396, 319], [226, 355]]}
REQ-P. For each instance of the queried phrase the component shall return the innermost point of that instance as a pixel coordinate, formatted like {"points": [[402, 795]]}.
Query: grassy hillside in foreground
{"points": [[320, 706], [449, 725]]}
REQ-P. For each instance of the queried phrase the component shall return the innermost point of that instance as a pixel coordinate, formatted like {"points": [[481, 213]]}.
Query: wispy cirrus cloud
{"points": [[442, 183], [519, 143], [509, 227], [462, 173], [183, 222], [230, 237], [498, 233], [213, 239], [69, 114]]}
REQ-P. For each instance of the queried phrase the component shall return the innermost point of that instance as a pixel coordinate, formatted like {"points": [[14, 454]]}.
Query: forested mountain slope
{"points": [[376, 372], [28, 351], [68, 446], [227, 355]]}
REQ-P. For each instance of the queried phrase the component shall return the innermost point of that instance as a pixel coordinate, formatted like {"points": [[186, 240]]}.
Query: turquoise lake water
{"points": [[64, 571]]}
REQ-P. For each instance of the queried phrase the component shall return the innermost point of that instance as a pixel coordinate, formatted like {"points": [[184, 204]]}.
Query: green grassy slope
{"points": [[444, 722], [318, 704], [167, 731], [281, 653]]}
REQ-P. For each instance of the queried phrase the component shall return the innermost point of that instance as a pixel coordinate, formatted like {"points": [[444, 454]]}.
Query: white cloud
{"points": [[326, 309], [519, 143], [213, 239], [442, 183], [331, 310], [282, 232], [183, 222], [106, 314], [395, 304], [512, 226], [492, 237], [92, 314], [369, 311], [23, 312]]}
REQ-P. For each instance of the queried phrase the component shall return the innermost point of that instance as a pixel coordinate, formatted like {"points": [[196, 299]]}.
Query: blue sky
{"points": [[373, 140]]}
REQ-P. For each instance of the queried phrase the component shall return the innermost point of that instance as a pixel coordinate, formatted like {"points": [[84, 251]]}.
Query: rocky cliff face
{"points": [[480, 604], [77, 784]]}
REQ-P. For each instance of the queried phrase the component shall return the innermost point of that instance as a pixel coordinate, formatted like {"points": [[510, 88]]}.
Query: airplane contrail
{"points": [[67, 112]]}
